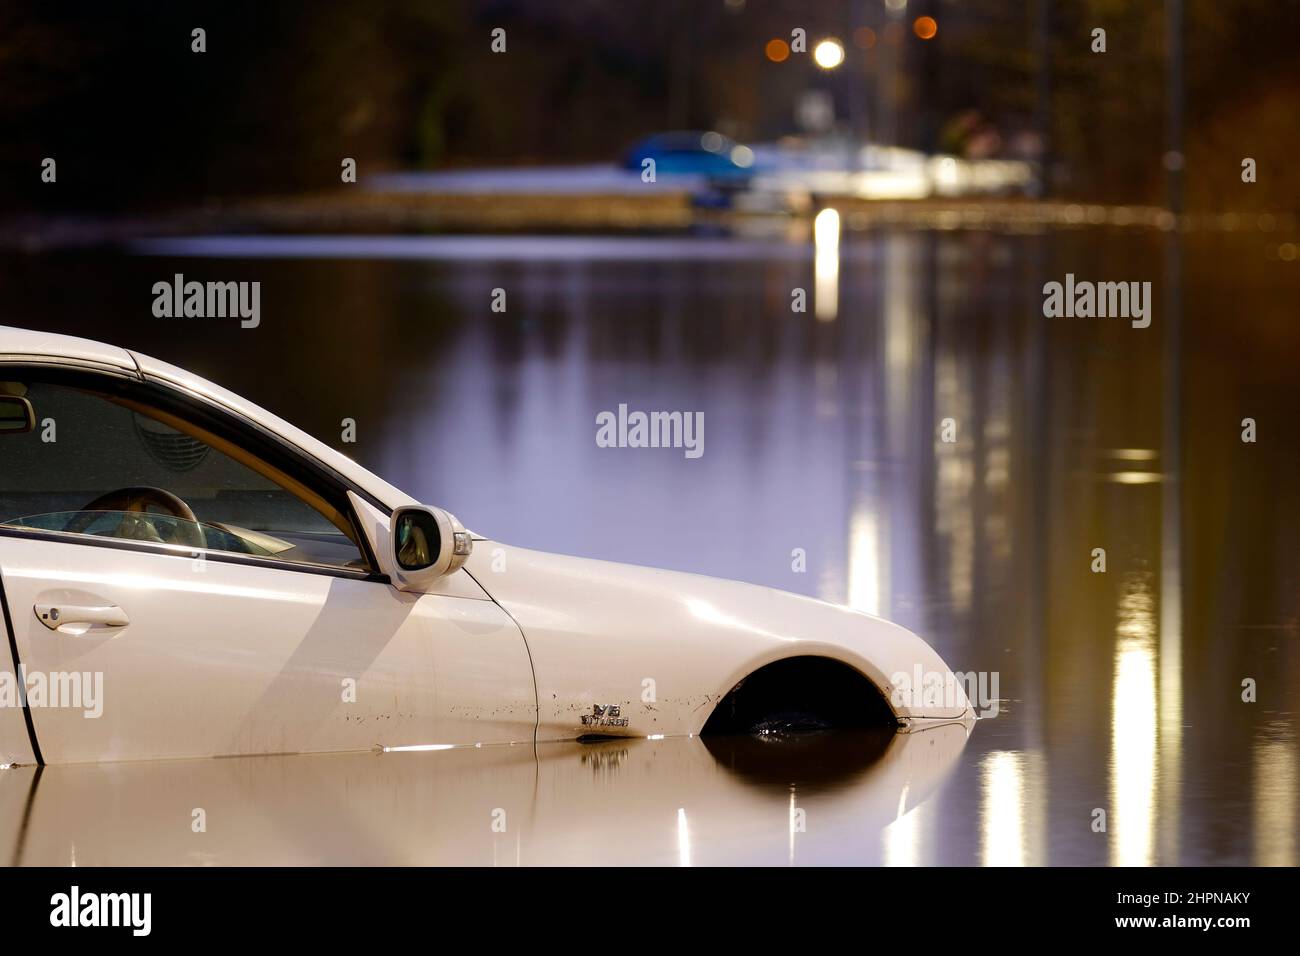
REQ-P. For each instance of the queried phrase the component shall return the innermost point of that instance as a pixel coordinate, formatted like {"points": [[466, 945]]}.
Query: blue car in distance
{"points": [[721, 161]]}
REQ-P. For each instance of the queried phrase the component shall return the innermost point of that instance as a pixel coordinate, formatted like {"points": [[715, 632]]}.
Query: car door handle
{"points": [[55, 616]]}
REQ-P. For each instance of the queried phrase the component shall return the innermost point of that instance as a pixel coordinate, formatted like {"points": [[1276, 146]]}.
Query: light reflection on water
{"points": [[1133, 727], [1275, 800], [824, 432], [1011, 809]]}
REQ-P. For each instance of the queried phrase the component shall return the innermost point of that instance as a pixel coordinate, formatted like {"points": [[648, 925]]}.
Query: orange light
{"points": [[864, 38], [777, 50], [925, 27]]}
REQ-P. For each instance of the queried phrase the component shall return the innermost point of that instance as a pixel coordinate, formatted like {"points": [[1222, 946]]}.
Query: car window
{"points": [[105, 467]]}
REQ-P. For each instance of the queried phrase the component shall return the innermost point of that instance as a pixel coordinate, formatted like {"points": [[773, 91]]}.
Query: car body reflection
{"points": [[743, 800]]}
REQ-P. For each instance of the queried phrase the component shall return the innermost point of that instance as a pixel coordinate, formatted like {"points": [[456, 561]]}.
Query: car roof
{"points": [[686, 139], [29, 345]]}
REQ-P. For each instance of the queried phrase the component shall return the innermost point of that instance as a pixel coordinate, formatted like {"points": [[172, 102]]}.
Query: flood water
{"points": [[824, 471]]}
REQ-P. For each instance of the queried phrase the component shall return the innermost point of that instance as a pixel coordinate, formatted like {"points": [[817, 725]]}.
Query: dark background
{"points": [[286, 89]]}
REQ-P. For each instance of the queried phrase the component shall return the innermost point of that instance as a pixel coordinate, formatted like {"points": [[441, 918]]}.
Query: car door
{"points": [[257, 623]]}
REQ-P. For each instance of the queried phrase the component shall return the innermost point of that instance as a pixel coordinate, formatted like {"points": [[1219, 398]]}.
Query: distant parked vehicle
{"points": [[722, 161]]}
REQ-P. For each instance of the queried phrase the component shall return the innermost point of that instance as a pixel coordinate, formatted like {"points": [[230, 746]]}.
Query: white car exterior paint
{"points": [[599, 631], [237, 659], [243, 659]]}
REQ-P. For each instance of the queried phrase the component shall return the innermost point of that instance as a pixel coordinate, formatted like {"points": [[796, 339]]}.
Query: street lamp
{"points": [[828, 54]]}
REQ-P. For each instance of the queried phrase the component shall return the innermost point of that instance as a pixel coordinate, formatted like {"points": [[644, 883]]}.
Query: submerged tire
{"points": [[798, 696]]}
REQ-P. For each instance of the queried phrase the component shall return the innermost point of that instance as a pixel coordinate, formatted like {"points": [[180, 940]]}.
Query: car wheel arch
{"points": [[813, 683]]}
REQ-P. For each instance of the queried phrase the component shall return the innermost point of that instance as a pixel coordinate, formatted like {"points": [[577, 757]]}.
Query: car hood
{"points": [[666, 646]]}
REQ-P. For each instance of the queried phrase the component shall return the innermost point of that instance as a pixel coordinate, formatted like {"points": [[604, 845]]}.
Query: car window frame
{"points": [[207, 415]]}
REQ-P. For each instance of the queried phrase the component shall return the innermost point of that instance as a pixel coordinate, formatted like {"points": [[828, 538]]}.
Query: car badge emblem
{"points": [[604, 715]]}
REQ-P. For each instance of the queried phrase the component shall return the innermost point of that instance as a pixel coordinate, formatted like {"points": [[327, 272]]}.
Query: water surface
{"points": [[824, 472]]}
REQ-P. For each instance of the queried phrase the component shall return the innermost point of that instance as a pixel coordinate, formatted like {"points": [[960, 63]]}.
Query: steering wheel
{"points": [[136, 501]]}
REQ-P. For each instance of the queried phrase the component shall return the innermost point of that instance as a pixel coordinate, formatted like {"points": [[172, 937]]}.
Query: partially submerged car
{"points": [[185, 574]]}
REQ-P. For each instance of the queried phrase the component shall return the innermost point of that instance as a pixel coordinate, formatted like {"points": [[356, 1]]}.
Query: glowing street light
{"points": [[777, 50], [925, 27], [828, 54]]}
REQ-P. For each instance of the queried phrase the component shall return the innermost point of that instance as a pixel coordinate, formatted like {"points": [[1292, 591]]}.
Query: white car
{"points": [[185, 574]]}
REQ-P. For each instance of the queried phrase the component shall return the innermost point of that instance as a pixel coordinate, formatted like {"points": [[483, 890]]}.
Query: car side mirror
{"points": [[425, 544], [16, 415]]}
